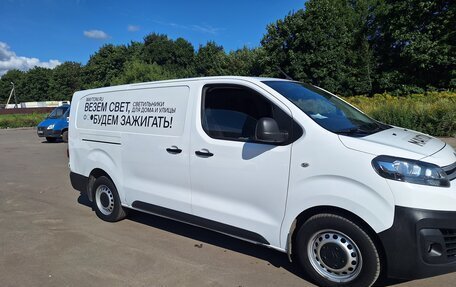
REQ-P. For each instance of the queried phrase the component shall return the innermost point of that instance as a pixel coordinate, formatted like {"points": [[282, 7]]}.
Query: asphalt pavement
{"points": [[49, 236]]}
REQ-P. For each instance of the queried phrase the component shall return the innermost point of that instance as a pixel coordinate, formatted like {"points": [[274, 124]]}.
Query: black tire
{"points": [[106, 201], [65, 136], [51, 140], [335, 251]]}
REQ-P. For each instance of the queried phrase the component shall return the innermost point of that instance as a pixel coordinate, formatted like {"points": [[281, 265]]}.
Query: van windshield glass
{"points": [[57, 113], [327, 110]]}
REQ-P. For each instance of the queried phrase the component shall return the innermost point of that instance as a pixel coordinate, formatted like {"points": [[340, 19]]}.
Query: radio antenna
{"points": [[285, 74]]}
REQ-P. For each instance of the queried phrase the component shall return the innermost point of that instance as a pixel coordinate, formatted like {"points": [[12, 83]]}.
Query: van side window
{"points": [[231, 112]]}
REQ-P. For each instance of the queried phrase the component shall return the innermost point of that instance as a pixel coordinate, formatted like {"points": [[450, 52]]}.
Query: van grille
{"points": [[449, 235], [450, 171]]}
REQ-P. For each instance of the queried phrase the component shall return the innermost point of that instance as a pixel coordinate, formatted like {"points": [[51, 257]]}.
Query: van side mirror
{"points": [[267, 131]]}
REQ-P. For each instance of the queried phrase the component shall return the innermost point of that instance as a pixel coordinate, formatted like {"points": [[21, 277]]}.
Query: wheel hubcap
{"points": [[104, 199], [334, 255]]}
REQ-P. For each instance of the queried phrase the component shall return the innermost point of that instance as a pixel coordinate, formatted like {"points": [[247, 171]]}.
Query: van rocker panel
{"points": [[199, 221]]}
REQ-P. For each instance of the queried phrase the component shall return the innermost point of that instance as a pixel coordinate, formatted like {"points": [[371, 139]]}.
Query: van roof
{"points": [[212, 78], [255, 79]]}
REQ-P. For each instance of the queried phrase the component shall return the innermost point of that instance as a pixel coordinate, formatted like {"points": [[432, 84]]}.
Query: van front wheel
{"points": [[106, 201], [335, 251]]}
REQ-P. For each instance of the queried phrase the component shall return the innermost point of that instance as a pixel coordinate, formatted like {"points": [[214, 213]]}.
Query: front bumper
{"points": [[421, 243], [44, 132]]}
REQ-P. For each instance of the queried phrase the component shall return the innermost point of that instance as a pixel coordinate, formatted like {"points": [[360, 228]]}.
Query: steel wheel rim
{"points": [[104, 199], [340, 261]]}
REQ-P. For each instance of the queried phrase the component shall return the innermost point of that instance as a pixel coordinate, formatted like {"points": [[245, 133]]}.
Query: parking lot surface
{"points": [[49, 236]]}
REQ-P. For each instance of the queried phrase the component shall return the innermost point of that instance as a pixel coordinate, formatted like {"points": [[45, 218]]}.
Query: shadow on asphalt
{"points": [[56, 142], [274, 257]]}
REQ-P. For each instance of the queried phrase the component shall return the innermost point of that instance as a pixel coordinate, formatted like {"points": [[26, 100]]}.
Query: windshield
{"points": [[327, 110], [58, 112]]}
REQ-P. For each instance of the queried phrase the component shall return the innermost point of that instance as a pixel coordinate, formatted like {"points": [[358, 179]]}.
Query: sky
{"points": [[49, 32]]}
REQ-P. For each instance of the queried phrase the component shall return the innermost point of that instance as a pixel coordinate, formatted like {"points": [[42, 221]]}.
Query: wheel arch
{"points": [[308, 213], [98, 163], [94, 174]]}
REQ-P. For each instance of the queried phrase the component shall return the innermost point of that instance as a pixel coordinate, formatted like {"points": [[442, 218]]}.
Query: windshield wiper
{"points": [[353, 130], [359, 130]]}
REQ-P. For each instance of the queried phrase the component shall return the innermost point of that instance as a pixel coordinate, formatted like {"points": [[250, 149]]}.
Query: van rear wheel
{"points": [[106, 200], [337, 252], [65, 136]]}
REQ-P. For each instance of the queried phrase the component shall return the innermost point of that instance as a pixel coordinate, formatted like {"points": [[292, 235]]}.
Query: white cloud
{"points": [[96, 34], [205, 29], [133, 28], [9, 61]]}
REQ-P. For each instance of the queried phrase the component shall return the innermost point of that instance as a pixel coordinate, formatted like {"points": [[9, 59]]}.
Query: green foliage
{"points": [[178, 55], [245, 62], [158, 49], [367, 46], [36, 83], [104, 66], [414, 44], [433, 113], [21, 120], [137, 71], [211, 60], [346, 46], [325, 44], [65, 80], [15, 76]]}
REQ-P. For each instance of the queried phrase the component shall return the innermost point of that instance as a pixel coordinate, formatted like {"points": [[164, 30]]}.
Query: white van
{"points": [[274, 162]]}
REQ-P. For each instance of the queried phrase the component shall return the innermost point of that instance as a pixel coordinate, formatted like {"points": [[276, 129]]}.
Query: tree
{"points": [[415, 44], [361, 62], [183, 53], [325, 44], [36, 85], [211, 60], [66, 79], [245, 62], [105, 65], [134, 50], [175, 55], [137, 71], [15, 76], [158, 48], [183, 61]]}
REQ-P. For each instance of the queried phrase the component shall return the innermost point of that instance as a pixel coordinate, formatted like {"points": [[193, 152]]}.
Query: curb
{"points": [[18, 129]]}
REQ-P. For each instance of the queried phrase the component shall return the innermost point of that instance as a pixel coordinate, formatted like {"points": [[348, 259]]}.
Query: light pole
{"points": [[15, 97], [11, 93]]}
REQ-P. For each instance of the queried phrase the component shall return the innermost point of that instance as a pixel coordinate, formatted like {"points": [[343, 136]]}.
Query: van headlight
{"points": [[412, 171], [50, 127]]}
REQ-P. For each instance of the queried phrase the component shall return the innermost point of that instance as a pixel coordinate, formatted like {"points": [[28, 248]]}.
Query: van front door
{"points": [[238, 183]]}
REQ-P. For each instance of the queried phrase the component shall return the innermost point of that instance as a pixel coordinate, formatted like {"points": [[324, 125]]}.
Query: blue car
{"points": [[55, 126]]}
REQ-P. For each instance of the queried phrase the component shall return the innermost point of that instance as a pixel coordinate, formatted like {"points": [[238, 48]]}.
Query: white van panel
{"points": [[243, 184], [158, 111], [319, 171]]}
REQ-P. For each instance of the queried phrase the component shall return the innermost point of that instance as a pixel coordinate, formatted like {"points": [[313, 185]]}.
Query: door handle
{"points": [[174, 150], [204, 153]]}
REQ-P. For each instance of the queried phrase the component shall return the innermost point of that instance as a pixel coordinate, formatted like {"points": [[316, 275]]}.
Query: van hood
{"points": [[396, 142]]}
